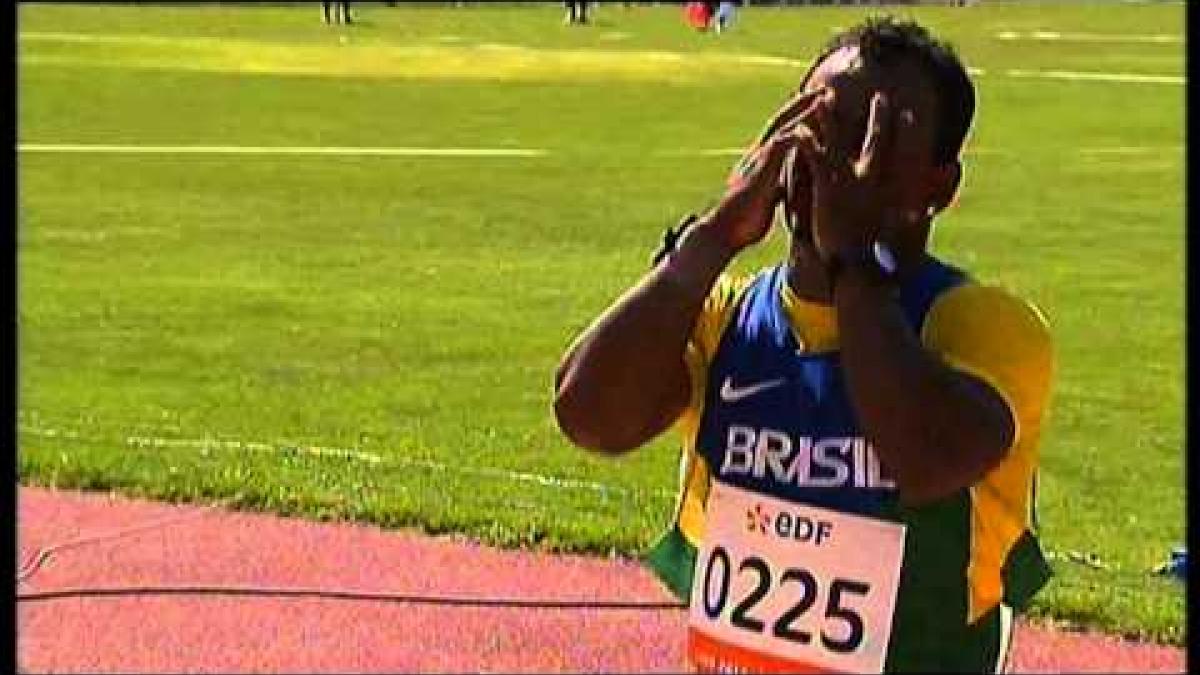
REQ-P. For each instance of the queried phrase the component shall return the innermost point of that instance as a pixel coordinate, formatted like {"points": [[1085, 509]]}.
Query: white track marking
{"points": [[765, 60], [1132, 150], [1054, 36], [277, 150], [349, 453], [715, 152], [209, 444], [205, 445], [1098, 77]]}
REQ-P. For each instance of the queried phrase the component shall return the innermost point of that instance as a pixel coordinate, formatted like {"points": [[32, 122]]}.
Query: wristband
{"points": [[671, 238], [878, 261]]}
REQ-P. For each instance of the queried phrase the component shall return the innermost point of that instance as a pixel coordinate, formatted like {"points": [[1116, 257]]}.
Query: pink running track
{"points": [[88, 542]]}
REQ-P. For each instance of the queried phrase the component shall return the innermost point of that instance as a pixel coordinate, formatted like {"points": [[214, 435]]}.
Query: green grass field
{"points": [[374, 337]]}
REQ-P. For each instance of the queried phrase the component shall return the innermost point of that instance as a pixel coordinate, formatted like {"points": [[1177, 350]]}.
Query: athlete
{"points": [[341, 11], [861, 420], [698, 14], [722, 18], [576, 12]]}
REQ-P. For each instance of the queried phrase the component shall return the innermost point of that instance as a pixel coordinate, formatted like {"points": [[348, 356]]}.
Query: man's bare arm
{"points": [[935, 429], [625, 380]]}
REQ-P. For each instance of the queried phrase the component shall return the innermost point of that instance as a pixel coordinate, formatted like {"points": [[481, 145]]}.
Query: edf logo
{"points": [[798, 526]]}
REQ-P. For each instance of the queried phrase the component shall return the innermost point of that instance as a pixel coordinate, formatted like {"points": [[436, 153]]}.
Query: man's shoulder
{"points": [[990, 321], [990, 304], [718, 309], [730, 287]]}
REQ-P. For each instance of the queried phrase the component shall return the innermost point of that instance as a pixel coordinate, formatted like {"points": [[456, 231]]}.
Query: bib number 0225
{"points": [[719, 571]]}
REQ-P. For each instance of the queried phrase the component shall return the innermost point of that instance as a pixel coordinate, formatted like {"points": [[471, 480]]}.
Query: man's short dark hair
{"points": [[885, 41]]}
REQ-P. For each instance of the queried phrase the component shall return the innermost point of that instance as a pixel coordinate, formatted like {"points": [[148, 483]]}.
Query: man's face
{"points": [[850, 83]]}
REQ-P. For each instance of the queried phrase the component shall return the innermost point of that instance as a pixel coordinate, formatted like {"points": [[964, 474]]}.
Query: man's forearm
{"points": [[934, 428], [624, 380]]}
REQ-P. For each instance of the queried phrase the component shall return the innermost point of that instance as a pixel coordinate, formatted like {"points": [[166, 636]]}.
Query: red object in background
{"points": [[697, 15]]}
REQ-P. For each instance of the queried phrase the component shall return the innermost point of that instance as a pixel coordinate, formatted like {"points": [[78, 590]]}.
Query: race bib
{"points": [[782, 587]]}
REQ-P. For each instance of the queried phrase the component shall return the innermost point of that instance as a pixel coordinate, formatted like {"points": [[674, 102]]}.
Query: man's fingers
{"points": [[805, 121], [826, 126], [815, 155], [878, 139], [770, 159], [798, 109], [794, 109], [807, 131], [820, 123]]}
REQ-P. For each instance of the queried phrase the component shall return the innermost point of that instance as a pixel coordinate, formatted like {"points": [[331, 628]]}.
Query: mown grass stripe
{"points": [[456, 152], [1138, 78], [277, 150]]}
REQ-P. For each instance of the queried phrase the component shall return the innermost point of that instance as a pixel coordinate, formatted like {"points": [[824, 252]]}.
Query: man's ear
{"points": [[944, 186]]}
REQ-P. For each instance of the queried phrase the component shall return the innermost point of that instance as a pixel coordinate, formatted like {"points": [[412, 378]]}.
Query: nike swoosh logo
{"points": [[731, 394]]}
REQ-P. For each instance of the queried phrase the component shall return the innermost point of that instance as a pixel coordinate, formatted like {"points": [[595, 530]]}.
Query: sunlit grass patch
{"points": [[373, 58]]}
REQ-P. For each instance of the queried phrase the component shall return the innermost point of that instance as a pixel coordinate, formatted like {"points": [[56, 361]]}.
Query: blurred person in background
{"points": [[576, 12], [723, 18], [341, 11], [698, 14]]}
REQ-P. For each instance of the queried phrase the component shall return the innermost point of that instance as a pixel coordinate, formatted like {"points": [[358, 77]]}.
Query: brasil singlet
{"points": [[806, 560]]}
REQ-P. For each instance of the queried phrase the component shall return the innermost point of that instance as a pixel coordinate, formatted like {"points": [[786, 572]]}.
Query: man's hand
{"points": [[857, 197], [936, 429], [744, 215], [799, 104]]}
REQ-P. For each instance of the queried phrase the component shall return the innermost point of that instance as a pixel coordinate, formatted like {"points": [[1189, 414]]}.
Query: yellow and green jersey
{"points": [[769, 414]]}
